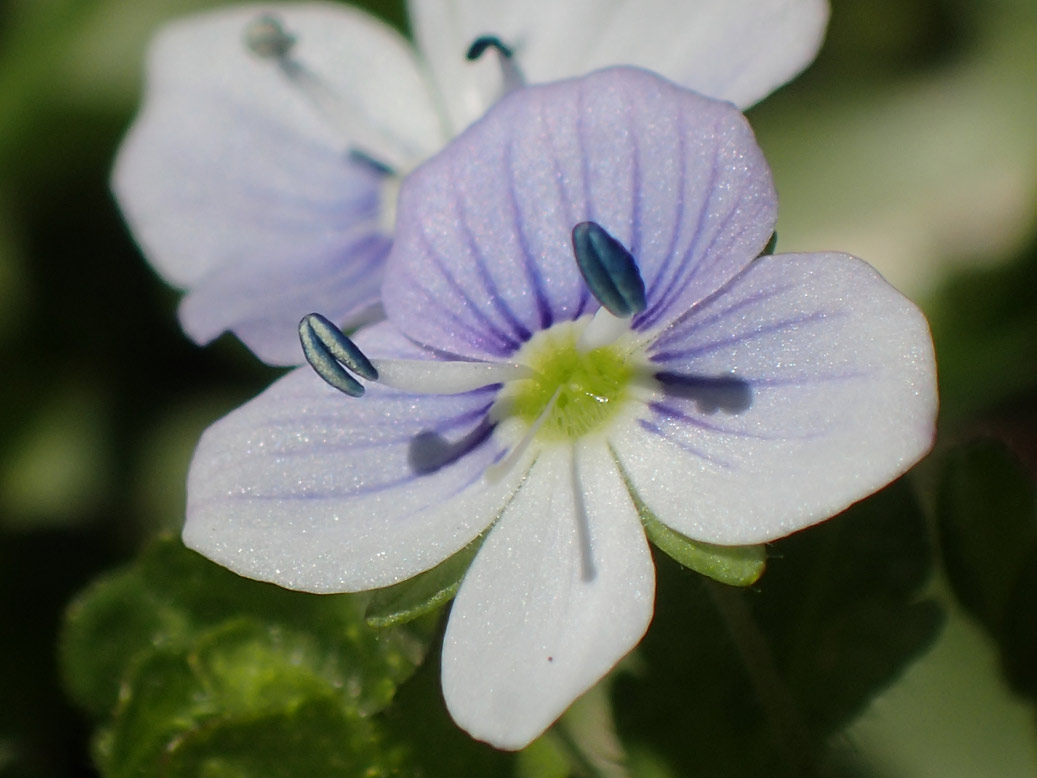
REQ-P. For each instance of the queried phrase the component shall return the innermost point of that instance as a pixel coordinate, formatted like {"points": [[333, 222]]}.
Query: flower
{"points": [[736, 397], [261, 172]]}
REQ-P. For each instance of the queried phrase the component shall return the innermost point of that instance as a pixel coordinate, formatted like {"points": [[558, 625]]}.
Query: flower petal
{"points": [[483, 253], [266, 289], [316, 491], [806, 385], [533, 627], [733, 50], [238, 188]]}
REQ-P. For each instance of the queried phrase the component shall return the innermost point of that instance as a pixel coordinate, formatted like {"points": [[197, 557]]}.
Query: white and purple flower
{"points": [[584, 334], [261, 173]]}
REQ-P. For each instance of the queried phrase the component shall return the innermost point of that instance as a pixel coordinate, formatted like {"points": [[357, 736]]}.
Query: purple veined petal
{"points": [[298, 269], [241, 191], [737, 50], [560, 591], [312, 490], [483, 253], [807, 384]]}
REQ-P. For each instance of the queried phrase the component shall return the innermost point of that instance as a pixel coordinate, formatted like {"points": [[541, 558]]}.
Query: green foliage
{"points": [[770, 673], [984, 326], [193, 670], [988, 531]]}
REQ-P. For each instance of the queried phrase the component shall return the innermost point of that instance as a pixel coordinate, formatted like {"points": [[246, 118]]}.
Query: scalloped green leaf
{"points": [[175, 721], [174, 599], [107, 627]]}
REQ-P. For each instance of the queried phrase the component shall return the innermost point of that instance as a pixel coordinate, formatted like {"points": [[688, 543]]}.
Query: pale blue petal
{"points": [[242, 192], [805, 385], [483, 254], [560, 591], [737, 50], [313, 490]]}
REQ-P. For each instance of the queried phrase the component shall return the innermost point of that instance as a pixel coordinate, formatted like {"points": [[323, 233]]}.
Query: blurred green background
{"points": [[911, 142]]}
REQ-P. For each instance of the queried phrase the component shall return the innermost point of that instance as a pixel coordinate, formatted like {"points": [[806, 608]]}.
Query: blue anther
{"points": [[332, 355], [363, 158], [609, 270], [483, 42]]}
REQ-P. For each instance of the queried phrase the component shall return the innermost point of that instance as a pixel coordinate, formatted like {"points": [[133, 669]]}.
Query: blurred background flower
{"points": [[910, 142]]}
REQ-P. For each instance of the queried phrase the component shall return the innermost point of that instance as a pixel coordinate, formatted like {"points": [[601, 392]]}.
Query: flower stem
{"points": [[586, 733], [788, 729]]}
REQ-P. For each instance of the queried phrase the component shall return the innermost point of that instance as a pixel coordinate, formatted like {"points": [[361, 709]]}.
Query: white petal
{"points": [[483, 255], [313, 490], [839, 399], [737, 50], [530, 631], [442, 29], [239, 189]]}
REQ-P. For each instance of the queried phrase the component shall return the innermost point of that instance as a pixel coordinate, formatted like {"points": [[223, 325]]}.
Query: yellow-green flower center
{"points": [[590, 385]]}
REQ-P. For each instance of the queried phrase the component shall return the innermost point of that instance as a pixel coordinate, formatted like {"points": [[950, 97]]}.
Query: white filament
{"points": [[433, 376], [605, 328]]}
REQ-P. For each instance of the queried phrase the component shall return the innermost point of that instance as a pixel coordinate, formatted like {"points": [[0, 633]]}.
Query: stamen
{"points": [[603, 329], [609, 270], [434, 376], [330, 353], [494, 473], [511, 74], [267, 38], [483, 42]]}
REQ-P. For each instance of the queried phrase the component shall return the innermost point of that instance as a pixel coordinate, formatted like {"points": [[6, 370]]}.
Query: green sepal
{"points": [[423, 593], [731, 565]]}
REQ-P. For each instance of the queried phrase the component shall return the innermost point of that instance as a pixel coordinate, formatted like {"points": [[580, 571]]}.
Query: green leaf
{"points": [[987, 514], [316, 739], [174, 648], [107, 627], [1018, 637], [174, 722], [423, 593], [988, 526], [732, 565], [770, 673]]}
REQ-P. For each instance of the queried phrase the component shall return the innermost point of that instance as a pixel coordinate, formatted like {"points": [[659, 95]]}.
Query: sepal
{"points": [[731, 565], [423, 593]]}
